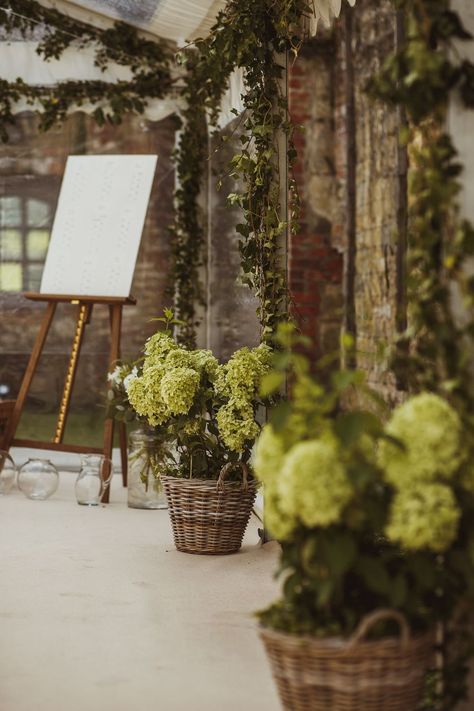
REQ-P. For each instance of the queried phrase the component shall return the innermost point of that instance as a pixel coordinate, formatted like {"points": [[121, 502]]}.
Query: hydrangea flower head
{"points": [[178, 388], [430, 432], [313, 484], [159, 345], [279, 523], [205, 362], [424, 516], [268, 455], [237, 425]]}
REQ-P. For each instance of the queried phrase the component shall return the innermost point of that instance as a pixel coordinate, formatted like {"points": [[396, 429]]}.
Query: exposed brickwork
{"points": [[314, 262], [318, 254]]}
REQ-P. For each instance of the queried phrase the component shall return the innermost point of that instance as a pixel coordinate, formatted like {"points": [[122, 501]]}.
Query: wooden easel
{"points": [[85, 305]]}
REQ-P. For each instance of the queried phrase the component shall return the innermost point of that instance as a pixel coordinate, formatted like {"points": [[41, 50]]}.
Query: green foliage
{"points": [[149, 61], [357, 534], [246, 35], [204, 414]]}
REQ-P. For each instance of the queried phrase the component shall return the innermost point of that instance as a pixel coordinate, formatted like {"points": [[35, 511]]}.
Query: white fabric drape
{"points": [[176, 20], [20, 60], [173, 19]]}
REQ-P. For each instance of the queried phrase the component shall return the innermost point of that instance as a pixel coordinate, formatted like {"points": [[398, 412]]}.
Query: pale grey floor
{"points": [[99, 612]]}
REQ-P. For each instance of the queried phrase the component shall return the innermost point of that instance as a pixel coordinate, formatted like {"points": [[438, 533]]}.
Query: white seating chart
{"points": [[98, 225]]}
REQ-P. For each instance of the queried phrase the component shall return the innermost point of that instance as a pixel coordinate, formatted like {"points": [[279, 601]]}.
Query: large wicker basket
{"points": [[6, 411], [209, 517], [355, 675]]}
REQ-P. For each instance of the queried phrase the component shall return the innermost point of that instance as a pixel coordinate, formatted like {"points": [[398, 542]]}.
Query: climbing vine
{"points": [[247, 35], [421, 77], [150, 63], [435, 352]]}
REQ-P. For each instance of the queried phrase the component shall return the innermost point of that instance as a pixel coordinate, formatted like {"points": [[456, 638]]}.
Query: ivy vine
{"points": [[435, 352], [246, 34], [149, 61]]}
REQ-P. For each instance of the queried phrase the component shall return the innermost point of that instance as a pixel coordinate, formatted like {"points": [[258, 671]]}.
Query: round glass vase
{"points": [[145, 490], [38, 479]]}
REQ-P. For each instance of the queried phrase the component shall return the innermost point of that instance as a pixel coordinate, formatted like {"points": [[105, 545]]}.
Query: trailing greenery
{"points": [[149, 61], [254, 37], [247, 35], [421, 77], [435, 353]]}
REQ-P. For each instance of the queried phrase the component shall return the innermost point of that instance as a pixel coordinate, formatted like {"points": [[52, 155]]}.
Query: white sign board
{"points": [[98, 225]]}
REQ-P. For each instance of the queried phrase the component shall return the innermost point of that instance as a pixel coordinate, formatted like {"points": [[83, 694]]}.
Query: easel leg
{"points": [[115, 312], [28, 377], [123, 451]]}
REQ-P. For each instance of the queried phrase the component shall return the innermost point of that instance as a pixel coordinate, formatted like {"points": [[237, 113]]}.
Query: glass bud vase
{"points": [[7, 472], [38, 479], [145, 490]]}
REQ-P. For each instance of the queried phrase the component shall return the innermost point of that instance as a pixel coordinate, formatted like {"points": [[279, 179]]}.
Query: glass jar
{"points": [[93, 479], [7, 472], [38, 479], [145, 490]]}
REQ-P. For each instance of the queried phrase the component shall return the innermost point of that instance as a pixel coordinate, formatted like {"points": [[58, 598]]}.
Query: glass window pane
{"points": [[33, 277], [37, 244], [37, 212], [10, 277], [10, 211], [10, 244]]}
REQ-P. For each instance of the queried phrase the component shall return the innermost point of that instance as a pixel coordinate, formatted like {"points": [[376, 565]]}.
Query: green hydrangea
{"points": [[178, 358], [145, 397], [268, 455], [313, 484], [424, 516], [158, 346], [237, 425], [240, 377], [279, 524], [430, 431], [178, 388], [205, 362]]}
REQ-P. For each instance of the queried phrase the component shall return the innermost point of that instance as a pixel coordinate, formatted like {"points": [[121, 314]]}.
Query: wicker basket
{"points": [[355, 675], [209, 517], [6, 410]]}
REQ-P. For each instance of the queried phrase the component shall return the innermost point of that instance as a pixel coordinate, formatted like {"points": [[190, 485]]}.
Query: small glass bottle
{"points": [[38, 479], [145, 490]]}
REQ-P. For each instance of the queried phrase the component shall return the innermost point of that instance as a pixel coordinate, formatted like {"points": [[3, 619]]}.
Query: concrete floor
{"points": [[99, 612]]}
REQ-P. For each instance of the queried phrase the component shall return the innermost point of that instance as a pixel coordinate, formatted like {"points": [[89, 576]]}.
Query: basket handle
{"points": [[370, 620], [227, 468]]}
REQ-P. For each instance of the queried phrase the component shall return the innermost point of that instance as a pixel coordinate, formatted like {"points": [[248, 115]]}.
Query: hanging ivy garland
{"points": [[150, 63]]}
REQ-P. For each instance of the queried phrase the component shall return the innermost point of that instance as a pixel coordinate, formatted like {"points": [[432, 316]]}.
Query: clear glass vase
{"points": [[145, 490], [38, 479]]}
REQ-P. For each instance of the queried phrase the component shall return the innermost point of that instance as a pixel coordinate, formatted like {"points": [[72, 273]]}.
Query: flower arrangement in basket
{"points": [[377, 532], [207, 412]]}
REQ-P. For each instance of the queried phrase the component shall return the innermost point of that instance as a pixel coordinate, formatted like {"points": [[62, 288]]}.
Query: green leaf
{"points": [[271, 383]]}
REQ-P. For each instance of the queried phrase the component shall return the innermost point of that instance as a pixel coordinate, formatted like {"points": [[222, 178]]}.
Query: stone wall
{"points": [[348, 160], [31, 158]]}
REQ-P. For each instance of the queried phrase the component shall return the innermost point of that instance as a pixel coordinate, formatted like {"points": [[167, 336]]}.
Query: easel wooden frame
{"points": [[85, 305]]}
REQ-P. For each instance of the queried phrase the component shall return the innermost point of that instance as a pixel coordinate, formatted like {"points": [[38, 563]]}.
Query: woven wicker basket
{"points": [[355, 675], [6, 410], [209, 517]]}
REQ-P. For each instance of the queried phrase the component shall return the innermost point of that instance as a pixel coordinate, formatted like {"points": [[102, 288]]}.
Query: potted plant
{"points": [[376, 528], [207, 412]]}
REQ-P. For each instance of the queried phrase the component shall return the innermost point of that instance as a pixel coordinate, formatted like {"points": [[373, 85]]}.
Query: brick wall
{"points": [[315, 260], [320, 92]]}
